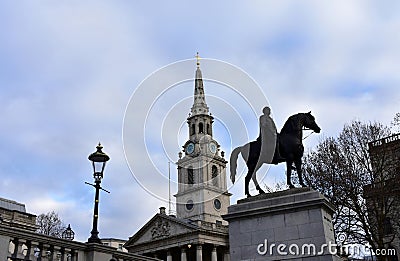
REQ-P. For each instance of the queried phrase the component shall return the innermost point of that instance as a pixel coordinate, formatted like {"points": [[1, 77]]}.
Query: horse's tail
{"points": [[233, 162]]}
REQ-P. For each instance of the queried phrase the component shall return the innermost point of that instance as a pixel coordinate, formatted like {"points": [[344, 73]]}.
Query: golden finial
{"points": [[197, 59]]}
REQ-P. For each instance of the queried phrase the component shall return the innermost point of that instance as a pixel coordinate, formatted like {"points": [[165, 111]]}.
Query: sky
{"points": [[71, 73]]}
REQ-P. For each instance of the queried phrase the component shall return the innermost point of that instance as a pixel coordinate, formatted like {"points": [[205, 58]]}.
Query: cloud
{"points": [[68, 69]]}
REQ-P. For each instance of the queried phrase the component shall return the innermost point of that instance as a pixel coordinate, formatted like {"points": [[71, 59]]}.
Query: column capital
{"points": [[199, 246]]}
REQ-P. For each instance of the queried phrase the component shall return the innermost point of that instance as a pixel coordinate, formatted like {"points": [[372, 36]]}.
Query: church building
{"points": [[197, 232]]}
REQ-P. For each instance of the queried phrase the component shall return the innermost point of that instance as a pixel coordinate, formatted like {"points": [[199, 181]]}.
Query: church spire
{"points": [[199, 104]]}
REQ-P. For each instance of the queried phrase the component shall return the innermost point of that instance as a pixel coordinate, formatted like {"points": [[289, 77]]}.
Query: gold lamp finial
{"points": [[197, 59]]}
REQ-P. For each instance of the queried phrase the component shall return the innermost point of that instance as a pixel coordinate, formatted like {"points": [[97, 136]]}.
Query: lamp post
{"points": [[98, 159], [68, 234]]}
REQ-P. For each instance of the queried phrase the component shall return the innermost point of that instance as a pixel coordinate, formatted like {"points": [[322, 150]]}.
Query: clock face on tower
{"points": [[213, 147], [217, 204], [189, 205], [190, 148]]}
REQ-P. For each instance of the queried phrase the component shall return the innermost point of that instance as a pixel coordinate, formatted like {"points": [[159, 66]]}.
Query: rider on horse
{"points": [[269, 139], [262, 150]]}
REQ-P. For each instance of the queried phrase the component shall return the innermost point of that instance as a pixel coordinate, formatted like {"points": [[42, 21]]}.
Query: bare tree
{"points": [[279, 186], [342, 170], [50, 224], [396, 122]]}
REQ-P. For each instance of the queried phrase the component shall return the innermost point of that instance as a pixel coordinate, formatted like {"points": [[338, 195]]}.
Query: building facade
{"points": [[383, 195], [197, 232]]}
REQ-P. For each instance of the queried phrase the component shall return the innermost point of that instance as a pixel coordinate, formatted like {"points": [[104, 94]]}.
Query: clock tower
{"points": [[202, 189]]}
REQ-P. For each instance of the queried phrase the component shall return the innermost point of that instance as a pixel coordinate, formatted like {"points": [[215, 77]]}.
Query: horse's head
{"points": [[309, 122]]}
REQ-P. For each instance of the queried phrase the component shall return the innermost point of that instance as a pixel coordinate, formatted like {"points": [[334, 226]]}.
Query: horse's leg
{"points": [[246, 184], [254, 177], [250, 173], [289, 173], [298, 163]]}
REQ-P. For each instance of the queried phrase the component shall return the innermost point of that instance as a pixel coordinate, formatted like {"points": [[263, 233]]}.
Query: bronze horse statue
{"points": [[290, 146]]}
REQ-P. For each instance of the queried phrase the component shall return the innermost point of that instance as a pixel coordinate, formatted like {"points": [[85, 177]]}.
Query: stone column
{"points": [[169, 256], [227, 256], [199, 253], [31, 250], [55, 252], [214, 254], [74, 255], [67, 254], [52, 254], [39, 252], [183, 254], [21, 249], [18, 251]]}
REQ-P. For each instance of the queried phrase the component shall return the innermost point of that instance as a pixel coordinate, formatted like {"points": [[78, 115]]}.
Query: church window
{"points": [[214, 175], [201, 128], [193, 129], [190, 176]]}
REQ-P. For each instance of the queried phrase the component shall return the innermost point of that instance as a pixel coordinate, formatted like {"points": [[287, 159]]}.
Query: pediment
{"points": [[159, 227]]}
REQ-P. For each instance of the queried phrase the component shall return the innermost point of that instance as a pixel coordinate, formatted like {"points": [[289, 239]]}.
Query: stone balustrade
{"points": [[21, 244]]}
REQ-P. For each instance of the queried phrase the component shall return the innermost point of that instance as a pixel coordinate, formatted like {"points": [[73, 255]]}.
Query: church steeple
{"points": [[202, 191], [199, 103]]}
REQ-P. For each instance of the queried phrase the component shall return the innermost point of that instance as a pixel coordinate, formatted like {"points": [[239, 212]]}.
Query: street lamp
{"points": [[68, 234], [98, 159]]}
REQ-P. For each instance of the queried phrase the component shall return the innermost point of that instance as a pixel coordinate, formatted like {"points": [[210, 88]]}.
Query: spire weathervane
{"points": [[197, 59]]}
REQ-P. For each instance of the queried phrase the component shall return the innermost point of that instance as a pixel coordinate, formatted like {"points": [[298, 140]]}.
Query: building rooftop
{"points": [[12, 205], [395, 138]]}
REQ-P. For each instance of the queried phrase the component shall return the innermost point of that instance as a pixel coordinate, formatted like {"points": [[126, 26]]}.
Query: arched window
{"points": [[208, 129], [201, 127], [193, 129], [214, 175], [190, 176]]}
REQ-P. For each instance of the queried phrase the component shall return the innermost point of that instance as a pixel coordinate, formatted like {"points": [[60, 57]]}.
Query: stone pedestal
{"points": [[294, 224]]}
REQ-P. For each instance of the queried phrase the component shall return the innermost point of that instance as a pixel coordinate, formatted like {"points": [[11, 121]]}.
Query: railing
{"points": [[20, 244]]}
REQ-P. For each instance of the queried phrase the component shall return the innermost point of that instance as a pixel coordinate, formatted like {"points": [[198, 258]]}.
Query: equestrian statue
{"points": [[273, 148]]}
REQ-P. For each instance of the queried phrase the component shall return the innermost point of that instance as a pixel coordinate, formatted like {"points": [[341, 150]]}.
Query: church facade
{"points": [[197, 232]]}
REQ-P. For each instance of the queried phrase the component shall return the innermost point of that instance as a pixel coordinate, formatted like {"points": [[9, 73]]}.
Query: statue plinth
{"points": [[291, 224]]}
